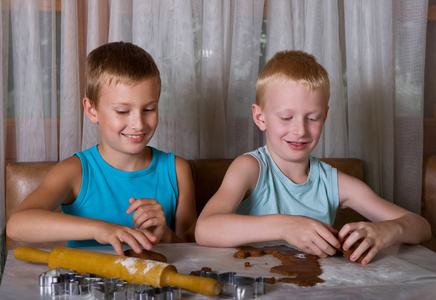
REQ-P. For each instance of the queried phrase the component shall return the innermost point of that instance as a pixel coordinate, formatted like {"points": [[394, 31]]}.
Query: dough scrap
{"points": [[303, 268], [347, 253], [146, 254]]}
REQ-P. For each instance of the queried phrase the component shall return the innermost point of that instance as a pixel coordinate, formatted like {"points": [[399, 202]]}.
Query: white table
{"points": [[399, 272]]}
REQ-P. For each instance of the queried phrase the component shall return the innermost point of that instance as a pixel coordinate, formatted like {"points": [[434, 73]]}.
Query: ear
{"points": [[258, 117], [325, 115], [90, 110]]}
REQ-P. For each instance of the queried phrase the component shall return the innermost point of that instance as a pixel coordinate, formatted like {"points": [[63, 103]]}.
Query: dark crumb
{"points": [[203, 269], [247, 264], [270, 280]]}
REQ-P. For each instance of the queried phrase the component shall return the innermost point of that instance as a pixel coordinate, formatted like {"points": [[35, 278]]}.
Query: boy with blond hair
{"points": [[281, 192], [121, 191]]}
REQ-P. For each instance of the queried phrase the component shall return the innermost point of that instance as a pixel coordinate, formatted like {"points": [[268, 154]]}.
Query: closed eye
{"points": [[314, 119], [122, 112]]}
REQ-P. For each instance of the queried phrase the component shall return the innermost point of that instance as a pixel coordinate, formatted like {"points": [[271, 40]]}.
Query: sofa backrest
{"points": [[428, 200], [23, 177]]}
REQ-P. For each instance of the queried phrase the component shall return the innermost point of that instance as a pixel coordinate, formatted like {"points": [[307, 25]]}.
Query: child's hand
{"points": [[375, 237], [117, 235], [311, 236], [148, 214]]}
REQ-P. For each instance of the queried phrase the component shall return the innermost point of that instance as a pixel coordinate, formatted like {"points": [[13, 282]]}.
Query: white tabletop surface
{"points": [[399, 272]]}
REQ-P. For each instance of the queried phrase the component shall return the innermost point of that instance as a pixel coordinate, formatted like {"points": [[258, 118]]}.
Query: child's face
{"points": [[127, 116], [292, 118]]}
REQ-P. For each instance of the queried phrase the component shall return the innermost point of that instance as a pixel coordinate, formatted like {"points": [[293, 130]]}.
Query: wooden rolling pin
{"points": [[130, 269]]}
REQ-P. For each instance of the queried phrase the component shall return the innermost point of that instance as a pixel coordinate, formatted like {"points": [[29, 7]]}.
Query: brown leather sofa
{"points": [[22, 178], [428, 200]]}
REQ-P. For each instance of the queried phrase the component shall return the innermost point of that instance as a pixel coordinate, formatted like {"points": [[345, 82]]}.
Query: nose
{"points": [[136, 121], [298, 127]]}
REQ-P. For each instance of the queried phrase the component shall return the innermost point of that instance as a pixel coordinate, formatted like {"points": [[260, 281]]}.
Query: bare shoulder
{"points": [[246, 164], [61, 185], [182, 165], [67, 169], [185, 182], [65, 178], [242, 174], [349, 187], [239, 182]]}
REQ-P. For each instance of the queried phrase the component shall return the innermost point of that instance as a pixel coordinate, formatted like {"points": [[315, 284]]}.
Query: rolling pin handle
{"points": [[196, 284], [32, 255]]}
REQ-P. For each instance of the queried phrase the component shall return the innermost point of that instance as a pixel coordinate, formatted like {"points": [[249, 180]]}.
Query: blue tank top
{"points": [[105, 190], [274, 193]]}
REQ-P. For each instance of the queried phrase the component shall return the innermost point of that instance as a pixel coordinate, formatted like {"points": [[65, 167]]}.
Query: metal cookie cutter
{"points": [[60, 282], [236, 287]]}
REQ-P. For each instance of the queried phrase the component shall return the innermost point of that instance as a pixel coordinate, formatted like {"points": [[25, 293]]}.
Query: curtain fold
{"points": [[29, 115], [410, 24], [371, 86], [70, 106], [96, 35]]}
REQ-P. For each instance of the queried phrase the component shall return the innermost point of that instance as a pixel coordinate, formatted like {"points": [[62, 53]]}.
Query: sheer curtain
{"points": [[209, 54]]}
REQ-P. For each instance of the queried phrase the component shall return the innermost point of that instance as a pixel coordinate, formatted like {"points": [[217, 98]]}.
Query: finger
{"points": [[151, 204], [332, 241], [132, 241], [147, 223], [141, 217], [153, 217], [311, 247], [331, 229], [315, 250], [147, 239], [150, 220], [118, 247], [371, 253], [132, 207], [364, 245], [351, 240], [325, 247], [345, 230]]}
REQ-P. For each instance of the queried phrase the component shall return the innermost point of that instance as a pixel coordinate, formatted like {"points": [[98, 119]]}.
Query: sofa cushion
{"points": [[21, 179], [428, 200]]}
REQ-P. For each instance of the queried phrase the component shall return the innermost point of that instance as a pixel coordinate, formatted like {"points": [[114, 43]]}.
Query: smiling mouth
{"points": [[134, 136]]}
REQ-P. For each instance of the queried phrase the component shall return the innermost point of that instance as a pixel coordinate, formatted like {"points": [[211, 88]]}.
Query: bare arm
{"points": [[36, 215], [186, 215], [218, 225], [390, 223]]}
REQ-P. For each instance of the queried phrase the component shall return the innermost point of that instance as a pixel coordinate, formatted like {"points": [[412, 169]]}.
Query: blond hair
{"points": [[298, 66], [115, 63]]}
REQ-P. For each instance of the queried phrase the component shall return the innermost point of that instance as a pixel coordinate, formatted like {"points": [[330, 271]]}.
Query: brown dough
{"points": [[347, 253], [204, 269], [247, 251], [304, 268], [146, 254]]}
